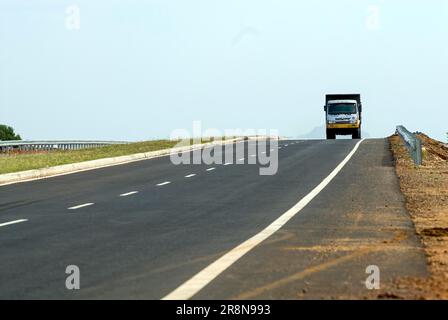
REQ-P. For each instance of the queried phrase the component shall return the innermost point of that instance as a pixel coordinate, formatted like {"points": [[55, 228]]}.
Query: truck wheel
{"points": [[356, 134], [330, 135]]}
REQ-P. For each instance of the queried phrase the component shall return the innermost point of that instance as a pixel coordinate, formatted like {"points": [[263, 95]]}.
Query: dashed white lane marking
{"points": [[128, 193], [210, 169], [253, 155], [264, 152], [81, 206], [228, 163], [204, 277], [12, 222], [242, 159], [190, 175], [163, 183]]}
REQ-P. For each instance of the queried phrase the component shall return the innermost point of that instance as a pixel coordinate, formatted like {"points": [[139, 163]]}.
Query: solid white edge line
{"points": [[128, 193], [81, 206], [12, 222], [163, 183], [205, 276]]}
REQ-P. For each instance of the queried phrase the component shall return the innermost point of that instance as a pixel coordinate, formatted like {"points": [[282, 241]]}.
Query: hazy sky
{"points": [[137, 70]]}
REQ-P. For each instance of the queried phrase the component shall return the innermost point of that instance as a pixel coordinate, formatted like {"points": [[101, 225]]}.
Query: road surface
{"points": [[143, 229]]}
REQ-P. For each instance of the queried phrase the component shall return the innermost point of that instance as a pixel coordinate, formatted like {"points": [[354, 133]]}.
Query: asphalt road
{"points": [[145, 245]]}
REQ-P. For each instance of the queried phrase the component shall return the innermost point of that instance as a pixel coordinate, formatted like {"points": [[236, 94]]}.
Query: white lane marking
{"points": [[12, 222], [223, 142], [279, 147], [190, 175], [228, 163], [286, 145], [242, 159], [263, 152], [81, 206], [210, 169], [206, 275], [253, 155], [163, 183], [128, 193], [272, 149]]}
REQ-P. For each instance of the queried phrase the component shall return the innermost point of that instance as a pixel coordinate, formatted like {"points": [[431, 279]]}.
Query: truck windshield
{"points": [[339, 108]]}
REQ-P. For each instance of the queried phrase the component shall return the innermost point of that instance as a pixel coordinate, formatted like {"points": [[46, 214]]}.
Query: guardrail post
{"points": [[412, 143], [418, 151]]}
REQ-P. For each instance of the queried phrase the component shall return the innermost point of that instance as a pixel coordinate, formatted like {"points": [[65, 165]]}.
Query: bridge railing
{"points": [[413, 144], [47, 145]]}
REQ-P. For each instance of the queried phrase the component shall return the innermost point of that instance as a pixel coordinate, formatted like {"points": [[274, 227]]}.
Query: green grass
{"points": [[15, 162]]}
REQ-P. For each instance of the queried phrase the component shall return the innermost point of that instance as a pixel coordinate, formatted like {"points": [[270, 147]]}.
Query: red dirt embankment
{"points": [[426, 191]]}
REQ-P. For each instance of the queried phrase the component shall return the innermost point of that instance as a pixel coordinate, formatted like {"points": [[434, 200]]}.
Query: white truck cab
{"points": [[343, 115]]}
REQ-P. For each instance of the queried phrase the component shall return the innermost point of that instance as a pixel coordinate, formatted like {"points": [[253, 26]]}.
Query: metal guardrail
{"points": [[413, 144], [24, 145]]}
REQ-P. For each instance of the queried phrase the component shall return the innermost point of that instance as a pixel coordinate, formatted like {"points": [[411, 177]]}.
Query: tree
{"points": [[7, 133]]}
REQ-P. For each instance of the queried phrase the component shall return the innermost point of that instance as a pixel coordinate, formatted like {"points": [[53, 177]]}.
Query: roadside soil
{"points": [[426, 192]]}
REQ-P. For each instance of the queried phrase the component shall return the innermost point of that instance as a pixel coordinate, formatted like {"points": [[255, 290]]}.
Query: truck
{"points": [[343, 115]]}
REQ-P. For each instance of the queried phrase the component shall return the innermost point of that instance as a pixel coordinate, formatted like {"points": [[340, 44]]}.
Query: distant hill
{"points": [[315, 133]]}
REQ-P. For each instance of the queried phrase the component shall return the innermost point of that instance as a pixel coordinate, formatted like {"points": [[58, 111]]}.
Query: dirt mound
{"points": [[435, 150]]}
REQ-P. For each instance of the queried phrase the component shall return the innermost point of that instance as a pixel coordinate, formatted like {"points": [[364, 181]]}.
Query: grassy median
{"points": [[15, 161]]}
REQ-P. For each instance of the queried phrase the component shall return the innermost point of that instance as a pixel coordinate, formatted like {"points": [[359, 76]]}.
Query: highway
{"points": [[144, 229]]}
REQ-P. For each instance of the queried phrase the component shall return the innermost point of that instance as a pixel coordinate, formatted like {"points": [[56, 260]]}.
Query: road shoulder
{"points": [[358, 220], [426, 191]]}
